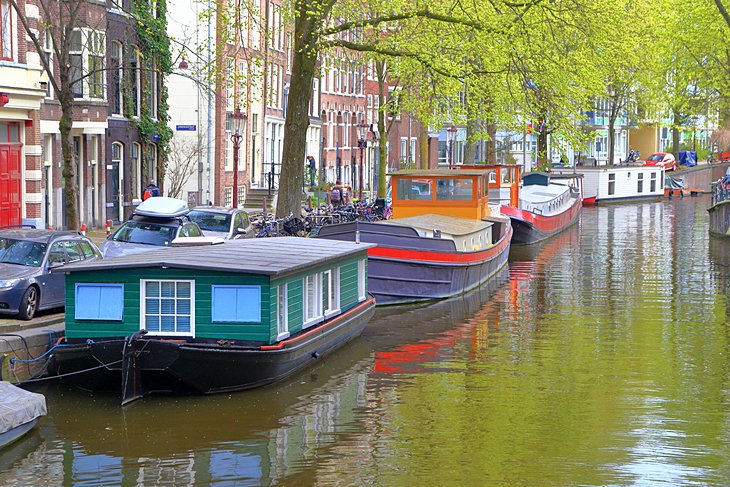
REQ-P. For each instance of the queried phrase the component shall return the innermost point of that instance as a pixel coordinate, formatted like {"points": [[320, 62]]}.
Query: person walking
{"points": [[151, 190], [312, 169]]}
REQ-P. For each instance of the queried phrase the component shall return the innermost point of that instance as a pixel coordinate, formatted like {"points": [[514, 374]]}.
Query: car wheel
{"points": [[29, 304]]}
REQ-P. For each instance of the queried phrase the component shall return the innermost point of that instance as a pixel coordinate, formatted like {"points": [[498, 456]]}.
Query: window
{"points": [[361, 280], [151, 162], [239, 304], [611, 183], [86, 55], [99, 302], [282, 312], [167, 307], [134, 183], [454, 189], [96, 53], [312, 299], [135, 66], [228, 197], [331, 291], [48, 54], [6, 30], [117, 75], [151, 87], [57, 255], [73, 251], [413, 189], [77, 65], [652, 183], [640, 183]]}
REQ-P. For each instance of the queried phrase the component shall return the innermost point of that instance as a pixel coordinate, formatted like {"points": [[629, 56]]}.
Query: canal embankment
{"points": [[22, 343]]}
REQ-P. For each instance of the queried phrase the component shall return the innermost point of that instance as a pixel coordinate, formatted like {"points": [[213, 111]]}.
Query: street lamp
{"points": [[451, 135], [361, 143], [239, 120]]}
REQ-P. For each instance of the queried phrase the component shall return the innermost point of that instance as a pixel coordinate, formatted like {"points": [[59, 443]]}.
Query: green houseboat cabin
{"points": [[267, 304]]}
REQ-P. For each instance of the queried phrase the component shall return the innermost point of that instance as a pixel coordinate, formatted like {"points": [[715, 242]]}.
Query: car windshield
{"points": [[146, 233], [22, 252], [214, 222], [655, 157]]}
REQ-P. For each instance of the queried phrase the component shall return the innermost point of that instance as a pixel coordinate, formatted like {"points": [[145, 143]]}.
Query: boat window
{"points": [[454, 189], [312, 299], [99, 302], [236, 304], [414, 189], [167, 307], [492, 177], [361, 280], [506, 175], [331, 291], [282, 311]]}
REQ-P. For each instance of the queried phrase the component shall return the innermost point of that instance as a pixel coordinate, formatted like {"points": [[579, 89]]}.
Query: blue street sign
{"points": [[186, 127]]}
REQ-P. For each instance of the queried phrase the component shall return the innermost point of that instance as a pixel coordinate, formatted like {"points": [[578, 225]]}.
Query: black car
{"points": [[27, 256]]}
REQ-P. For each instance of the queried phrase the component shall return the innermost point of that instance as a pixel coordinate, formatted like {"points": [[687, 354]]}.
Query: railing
{"points": [[719, 191]]}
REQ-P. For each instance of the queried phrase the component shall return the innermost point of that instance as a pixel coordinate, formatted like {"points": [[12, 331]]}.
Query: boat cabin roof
{"points": [[267, 256], [447, 224], [437, 172], [540, 194]]}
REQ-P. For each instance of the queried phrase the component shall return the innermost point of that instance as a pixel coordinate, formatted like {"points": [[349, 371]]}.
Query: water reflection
{"points": [[597, 358]]}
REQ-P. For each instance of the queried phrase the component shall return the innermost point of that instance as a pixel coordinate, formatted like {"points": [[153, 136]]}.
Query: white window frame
{"points": [[312, 310], [119, 47], [143, 307], [331, 279], [282, 319], [362, 292]]}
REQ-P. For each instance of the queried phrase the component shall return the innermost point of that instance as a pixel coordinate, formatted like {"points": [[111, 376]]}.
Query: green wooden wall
{"points": [[265, 331]]}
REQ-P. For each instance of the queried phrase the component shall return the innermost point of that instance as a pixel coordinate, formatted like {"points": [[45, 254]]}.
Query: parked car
{"points": [[663, 159], [227, 223], [154, 224], [27, 256]]}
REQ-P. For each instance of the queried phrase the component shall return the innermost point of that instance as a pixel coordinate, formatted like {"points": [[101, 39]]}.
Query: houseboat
{"points": [[441, 240], [605, 184], [210, 319], [539, 204]]}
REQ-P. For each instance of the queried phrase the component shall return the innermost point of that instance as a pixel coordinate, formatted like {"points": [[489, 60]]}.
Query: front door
{"points": [[10, 187], [113, 187]]}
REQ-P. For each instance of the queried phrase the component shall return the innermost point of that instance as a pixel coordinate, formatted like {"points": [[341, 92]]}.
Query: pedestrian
{"points": [[312, 169], [336, 194], [151, 190]]}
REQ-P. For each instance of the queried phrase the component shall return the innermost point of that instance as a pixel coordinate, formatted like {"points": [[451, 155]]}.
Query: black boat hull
{"points": [[144, 365]]}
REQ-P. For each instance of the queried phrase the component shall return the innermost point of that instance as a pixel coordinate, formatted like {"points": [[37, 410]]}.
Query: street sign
{"points": [[186, 127]]}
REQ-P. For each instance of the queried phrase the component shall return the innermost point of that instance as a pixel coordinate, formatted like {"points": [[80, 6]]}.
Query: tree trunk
{"points": [[470, 147], [70, 190], [676, 122], [423, 162], [611, 134], [542, 148], [491, 143], [297, 115], [383, 143]]}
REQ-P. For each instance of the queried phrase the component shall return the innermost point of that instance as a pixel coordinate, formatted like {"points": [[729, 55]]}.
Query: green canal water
{"points": [[601, 358]]}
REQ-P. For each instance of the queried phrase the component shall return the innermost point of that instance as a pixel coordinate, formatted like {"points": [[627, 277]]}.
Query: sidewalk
{"points": [[9, 324]]}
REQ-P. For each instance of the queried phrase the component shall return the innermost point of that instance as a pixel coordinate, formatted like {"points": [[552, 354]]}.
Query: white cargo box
{"points": [[162, 207]]}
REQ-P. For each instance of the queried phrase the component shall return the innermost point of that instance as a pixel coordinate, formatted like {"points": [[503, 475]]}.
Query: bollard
{"points": [[83, 229], [108, 227]]}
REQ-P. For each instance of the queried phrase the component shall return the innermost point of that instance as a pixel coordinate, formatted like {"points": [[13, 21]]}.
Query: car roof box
{"points": [[162, 207]]}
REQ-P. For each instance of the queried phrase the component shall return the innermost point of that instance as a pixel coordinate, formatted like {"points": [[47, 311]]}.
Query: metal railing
{"points": [[719, 191]]}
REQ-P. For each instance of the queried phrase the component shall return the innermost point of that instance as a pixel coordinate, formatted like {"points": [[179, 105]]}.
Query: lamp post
{"points": [[451, 134], [361, 144], [239, 119]]}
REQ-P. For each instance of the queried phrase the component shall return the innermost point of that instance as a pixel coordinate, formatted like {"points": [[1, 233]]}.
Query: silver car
{"points": [[27, 256], [227, 223]]}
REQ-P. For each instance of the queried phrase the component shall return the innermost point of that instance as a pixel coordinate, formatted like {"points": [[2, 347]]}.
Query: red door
{"points": [[10, 206]]}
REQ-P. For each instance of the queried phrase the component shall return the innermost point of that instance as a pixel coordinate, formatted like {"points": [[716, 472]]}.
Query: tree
{"points": [[184, 156]]}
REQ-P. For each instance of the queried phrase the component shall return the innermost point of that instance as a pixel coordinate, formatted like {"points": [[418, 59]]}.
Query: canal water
{"points": [[601, 357]]}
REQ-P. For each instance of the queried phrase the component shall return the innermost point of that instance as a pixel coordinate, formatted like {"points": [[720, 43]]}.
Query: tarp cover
{"points": [[687, 158], [18, 406]]}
